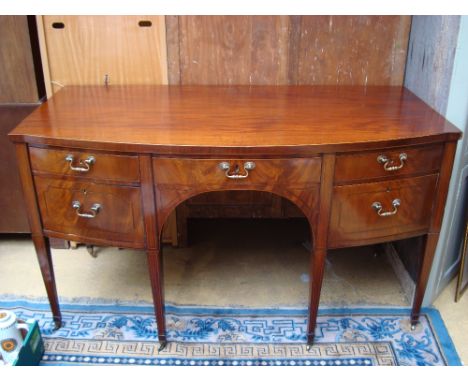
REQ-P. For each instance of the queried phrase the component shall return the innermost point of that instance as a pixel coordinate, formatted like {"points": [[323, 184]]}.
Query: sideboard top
{"points": [[178, 119]]}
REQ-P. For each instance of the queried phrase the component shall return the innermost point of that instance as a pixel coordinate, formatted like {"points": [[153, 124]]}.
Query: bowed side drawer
{"points": [[381, 164], [90, 212], [373, 212]]}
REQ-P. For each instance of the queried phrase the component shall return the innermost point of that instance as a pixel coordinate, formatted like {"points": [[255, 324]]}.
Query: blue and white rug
{"points": [[102, 333]]}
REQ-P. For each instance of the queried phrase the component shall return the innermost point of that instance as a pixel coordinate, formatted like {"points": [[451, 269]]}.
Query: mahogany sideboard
{"points": [[107, 165]]}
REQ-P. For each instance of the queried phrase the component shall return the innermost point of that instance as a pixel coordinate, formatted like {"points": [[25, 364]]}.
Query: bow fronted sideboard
{"points": [[107, 165]]}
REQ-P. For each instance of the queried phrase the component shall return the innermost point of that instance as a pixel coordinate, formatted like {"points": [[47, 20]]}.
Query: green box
{"points": [[33, 347]]}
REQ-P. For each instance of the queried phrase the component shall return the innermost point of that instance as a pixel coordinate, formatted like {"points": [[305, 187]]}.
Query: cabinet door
{"points": [[82, 50]]}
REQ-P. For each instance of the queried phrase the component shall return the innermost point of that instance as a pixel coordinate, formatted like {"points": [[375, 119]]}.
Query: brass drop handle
{"points": [[86, 163], [89, 215], [225, 166], [378, 207], [389, 164]]}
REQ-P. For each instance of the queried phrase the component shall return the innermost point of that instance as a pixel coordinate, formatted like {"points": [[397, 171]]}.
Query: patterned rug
{"points": [[101, 333]]}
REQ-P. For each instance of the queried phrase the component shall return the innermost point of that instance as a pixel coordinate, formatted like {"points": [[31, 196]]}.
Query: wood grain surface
{"points": [[177, 180], [17, 79], [352, 50], [355, 222], [278, 50], [365, 165], [296, 135], [89, 47], [204, 120], [14, 218], [295, 172], [106, 167], [119, 220], [233, 49], [41, 242]]}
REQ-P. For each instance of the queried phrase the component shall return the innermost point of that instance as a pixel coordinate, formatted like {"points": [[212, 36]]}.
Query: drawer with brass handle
{"points": [[91, 212], [234, 173], [369, 212], [84, 165], [95, 165], [237, 173], [89, 215], [378, 207], [388, 163]]}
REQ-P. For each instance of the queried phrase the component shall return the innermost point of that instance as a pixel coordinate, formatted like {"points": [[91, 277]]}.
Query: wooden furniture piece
{"points": [[223, 50], [20, 93], [107, 165], [14, 218], [18, 82]]}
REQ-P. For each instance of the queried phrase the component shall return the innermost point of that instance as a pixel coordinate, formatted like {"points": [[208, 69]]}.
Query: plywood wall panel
{"points": [[17, 77], [89, 47], [274, 50]]}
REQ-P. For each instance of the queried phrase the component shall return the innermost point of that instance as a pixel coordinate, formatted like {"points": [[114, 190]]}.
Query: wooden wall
{"points": [[272, 50]]}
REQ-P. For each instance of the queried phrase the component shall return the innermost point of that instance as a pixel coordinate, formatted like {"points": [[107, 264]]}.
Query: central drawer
{"points": [[370, 212], [91, 212], [237, 173]]}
